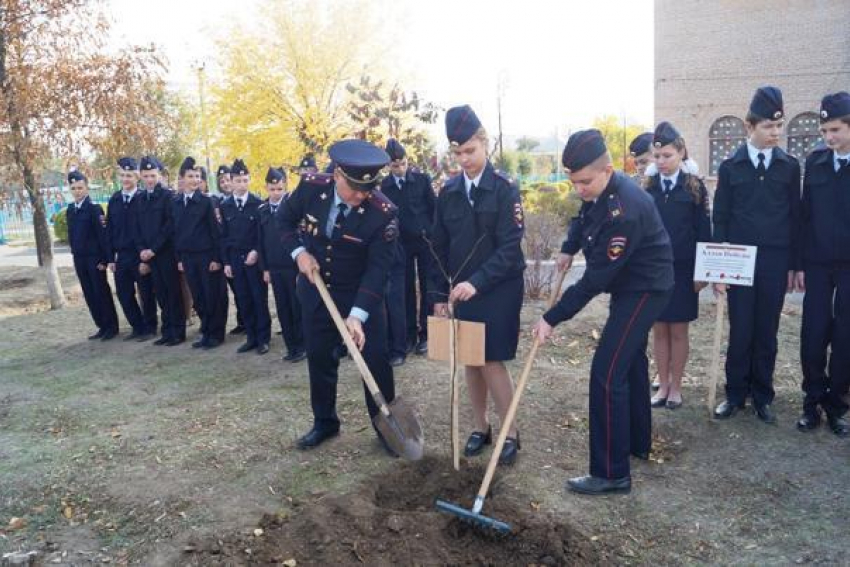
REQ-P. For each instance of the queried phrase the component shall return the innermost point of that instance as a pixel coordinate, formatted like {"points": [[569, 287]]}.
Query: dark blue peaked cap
{"points": [[275, 175], [395, 149], [359, 162], [640, 145], [222, 170], [128, 164], [461, 124], [239, 168], [767, 103], [150, 163], [835, 106], [188, 164], [74, 176], [665, 133], [308, 161], [582, 149]]}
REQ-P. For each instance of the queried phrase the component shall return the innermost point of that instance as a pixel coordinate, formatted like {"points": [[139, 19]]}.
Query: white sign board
{"points": [[732, 264]]}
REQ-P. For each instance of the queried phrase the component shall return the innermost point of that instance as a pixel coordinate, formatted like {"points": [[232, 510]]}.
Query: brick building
{"points": [[711, 55]]}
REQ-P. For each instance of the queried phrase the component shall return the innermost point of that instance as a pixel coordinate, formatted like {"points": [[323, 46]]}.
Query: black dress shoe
{"points": [[96, 336], [809, 421], [175, 341], [422, 347], [642, 455], [595, 485], [726, 410], [315, 437], [839, 425], [146, 337], [295, 355], [237, 330], [397, 360], [246, 347], [765, 413], [510, 450], [263, 348], [211, 344], [163, 340], [658, 402], [674, 405], [200, 343], [108, 335], [475, 443], [133, 336]]}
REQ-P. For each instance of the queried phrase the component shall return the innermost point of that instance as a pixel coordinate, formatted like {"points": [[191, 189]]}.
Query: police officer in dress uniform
{"points": [[223, 177], [757, 203], [826, 275], [349, 234], [154, 240], [197, 240], [641, 151], [628, 255], [240, 222], [90, 248], [124, 261], [410, 190], [278, 267]]}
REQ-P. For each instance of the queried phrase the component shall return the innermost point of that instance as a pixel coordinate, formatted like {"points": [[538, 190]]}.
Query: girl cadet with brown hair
{"points": [[478, 227]]}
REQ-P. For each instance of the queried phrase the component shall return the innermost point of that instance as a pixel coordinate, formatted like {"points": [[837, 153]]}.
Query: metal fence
{"points": [[16, 213]]}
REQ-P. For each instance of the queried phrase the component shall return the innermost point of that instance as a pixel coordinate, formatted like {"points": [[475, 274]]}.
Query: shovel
{"points": [[396, 421]]}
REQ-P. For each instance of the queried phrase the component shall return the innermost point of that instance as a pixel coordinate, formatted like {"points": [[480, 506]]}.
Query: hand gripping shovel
{"points": [[396, 421], [474, 515]]}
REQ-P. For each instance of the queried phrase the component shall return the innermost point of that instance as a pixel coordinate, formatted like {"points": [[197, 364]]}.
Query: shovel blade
{"points": [[401, 430]]}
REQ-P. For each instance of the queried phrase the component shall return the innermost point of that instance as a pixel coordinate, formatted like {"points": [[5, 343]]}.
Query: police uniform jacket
{"points": [[826, 210], [273, 257], [154, 226], [759, 212], [355, 263], [572, 244], [240, 229], [120, 223], [87, 232], [479, 244], [626, 247], [415, 202], [196, 226], [686, 218]]}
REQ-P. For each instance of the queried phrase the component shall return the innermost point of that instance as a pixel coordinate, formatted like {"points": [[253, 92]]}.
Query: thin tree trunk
{"points": [[43, 242]]}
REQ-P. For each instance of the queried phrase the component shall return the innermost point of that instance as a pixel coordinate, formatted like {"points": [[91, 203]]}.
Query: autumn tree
{"points": [[62, 94], [617, 137]]}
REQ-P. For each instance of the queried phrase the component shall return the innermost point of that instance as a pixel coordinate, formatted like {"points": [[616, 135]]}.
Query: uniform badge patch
{"points": [[616, 247], [391, 231], [217, 215], [518, 216], [103, 220]]}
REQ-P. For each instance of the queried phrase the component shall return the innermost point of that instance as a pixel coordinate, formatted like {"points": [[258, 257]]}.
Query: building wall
{"points": [[711, 55]]}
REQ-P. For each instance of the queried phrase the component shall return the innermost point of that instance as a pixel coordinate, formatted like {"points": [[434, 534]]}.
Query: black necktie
{"points": [[239, 204], [842, 163], [668, 186], [473, 194], [126, 199], [274, 209], [340, 216], [761, 168], [401, 183]]}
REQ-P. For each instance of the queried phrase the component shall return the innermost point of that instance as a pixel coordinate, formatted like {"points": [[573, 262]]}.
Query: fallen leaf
{"points": [[68, 512], [258, 532], [290, 563], [594, 538], [535, 506], [595, 334], [17, 523]]}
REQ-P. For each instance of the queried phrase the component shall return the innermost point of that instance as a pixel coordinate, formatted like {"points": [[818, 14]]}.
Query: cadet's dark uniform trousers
{"points": [[142, 318], [282, 273], [826, 305], [155, 231], [197, 241], [217, 201], [240, 236], [757, 208], [89, 240], [354, 263], [397, 313], [628, 255]]}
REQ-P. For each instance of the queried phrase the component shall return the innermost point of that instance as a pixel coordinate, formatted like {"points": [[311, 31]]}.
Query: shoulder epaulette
{"points": [[382, 203], [318, 178], [615, 206], [505, 176]]}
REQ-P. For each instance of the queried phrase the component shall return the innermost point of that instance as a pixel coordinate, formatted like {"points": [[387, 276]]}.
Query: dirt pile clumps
{"points": [[392, 520]]}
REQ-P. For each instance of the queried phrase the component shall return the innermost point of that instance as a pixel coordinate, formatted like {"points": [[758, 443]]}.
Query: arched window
{"points": [[803, 135], [726, 134]]}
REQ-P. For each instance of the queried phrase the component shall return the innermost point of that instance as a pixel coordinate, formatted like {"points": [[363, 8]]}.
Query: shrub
{"points": [[60, 225]]}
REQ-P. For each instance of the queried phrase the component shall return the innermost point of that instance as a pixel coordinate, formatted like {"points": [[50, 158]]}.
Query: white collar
{"points": [[836, 156], [130, 194], [674, 178], [754, 155], [398, 179], [477, 181], [81, 203]]}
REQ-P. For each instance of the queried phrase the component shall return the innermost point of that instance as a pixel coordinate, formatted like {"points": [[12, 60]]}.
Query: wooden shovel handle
{"points": [[349, 342]]}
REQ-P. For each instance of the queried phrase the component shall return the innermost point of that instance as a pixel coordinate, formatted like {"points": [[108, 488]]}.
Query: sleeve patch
{"points": [[616, 247], [217, 215], [518, 216], [102, 219], [391, 231]]}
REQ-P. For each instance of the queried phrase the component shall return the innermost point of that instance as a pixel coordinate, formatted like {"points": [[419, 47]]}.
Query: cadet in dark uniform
{"points": [[826, 275], [154, 239], [197, 240], [124, 260], [89, 240], [641, 151], [410, 190], [279, 269], [682, 200], [307, 166], [240, 222], [223, 177], [348, 234], [757, 203], [477, 231], [628, 255]]}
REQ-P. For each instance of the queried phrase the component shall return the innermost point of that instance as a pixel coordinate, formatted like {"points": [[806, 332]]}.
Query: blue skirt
{"points": [[499, 310], [684, 303]]}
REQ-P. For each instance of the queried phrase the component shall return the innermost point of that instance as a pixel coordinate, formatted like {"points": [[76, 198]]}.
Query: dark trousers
{"points": [[252, 295], [288, 308], [239, 321], [97, 293], [620, 414], [321, 336], [826, 324], [417, 268], [397, 310], [753, 324], [166, 282], [140, 312], [207, 289]]}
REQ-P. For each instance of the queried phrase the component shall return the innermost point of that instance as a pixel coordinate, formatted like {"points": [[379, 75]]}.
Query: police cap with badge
{"points": [[664, 135], [359, 162], [641, 144], [238, 168], [308, 161], [150, 163], [461, 124], [583, 148], [76, 175], [834, 106], [222, 170], [767, 103], [128, 164], [275, 175]]}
